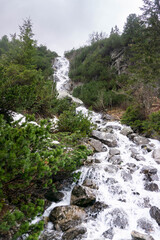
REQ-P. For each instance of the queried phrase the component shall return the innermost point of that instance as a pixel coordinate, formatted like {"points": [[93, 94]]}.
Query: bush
{"points": [[134, 118], [70, 121], [152, 125]]}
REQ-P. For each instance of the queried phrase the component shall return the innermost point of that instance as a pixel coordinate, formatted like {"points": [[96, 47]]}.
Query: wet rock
{"points": [[139, 158], [90, 160], [156, 155], [96, 208], [126, 175], [155, 214], [111, 169], [132, 136], [50, 235], [119, 218], [97, 145], [111, 181], [150, 173], [54, 196], [114, 151], [139, 236], [107, 117], [109, 233], [90, 183], [148, 147], [153, 187], [116, 159], [145, 224], [115, 189], [132, 167], [141, 140], [66, 217], [107, 138], [115, 127], [82, 196], [126, 131], [133, 151], [74, 233]]}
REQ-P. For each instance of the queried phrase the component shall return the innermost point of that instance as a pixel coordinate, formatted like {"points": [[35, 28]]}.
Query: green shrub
{"points": [[134, 118], [70, 121], [152, 125]]}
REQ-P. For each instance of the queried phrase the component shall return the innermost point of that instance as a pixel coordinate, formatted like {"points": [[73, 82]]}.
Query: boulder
{"points": [[139, 236], [111, 168], [66, 217], [145, 224], [126, 175], [116, 159], [90, 183], [132, 167], [114, 151], [82, 196], [96, 208], [156, 155], [119, 218], [126, 131], [97, 145], [140, 140], [150, 173], [155, 214], [109, 233], [74, 233], [153, 187], [107, 138]]}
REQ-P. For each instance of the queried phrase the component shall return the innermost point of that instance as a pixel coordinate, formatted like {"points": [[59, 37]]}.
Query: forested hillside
{"points": [[30, 158], [123, 70]]}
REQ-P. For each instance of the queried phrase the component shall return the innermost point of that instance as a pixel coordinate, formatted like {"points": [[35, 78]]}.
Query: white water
{"points": [[121, 194]]}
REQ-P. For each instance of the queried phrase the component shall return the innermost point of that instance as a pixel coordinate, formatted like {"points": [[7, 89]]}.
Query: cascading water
{"points": [[126, 177]]}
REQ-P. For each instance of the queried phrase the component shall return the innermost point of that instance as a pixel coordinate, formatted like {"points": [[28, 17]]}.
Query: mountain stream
{"points": [[125, 181]]}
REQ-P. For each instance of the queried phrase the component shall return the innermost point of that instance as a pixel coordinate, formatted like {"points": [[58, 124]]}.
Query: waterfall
{"points": [[126, 177]]}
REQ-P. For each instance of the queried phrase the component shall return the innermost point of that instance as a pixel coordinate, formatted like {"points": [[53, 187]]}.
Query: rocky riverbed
{"points": [[117, 196]]}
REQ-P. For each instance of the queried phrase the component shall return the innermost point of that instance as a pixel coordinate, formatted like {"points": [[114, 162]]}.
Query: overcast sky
{"points": [[64, 24]]}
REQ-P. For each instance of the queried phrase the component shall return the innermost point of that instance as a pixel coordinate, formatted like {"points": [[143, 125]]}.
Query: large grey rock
{"points": [[150, 173], [156, 155], [114, 151], [145, 224], [155, 214], [116, 159], [74, 233], [82, 196], [111, 168], [109, 233], [97, 145], [139, 236], [140, 140], [90, 183], [107, 138], [126, 131], [153, 187], [126, 175], [66, 217], [119, 218]]}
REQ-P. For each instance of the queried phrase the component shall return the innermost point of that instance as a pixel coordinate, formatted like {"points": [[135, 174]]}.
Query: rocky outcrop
{"points": [[66, 217], [82, 196], [126, 131], [107, 138]]}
